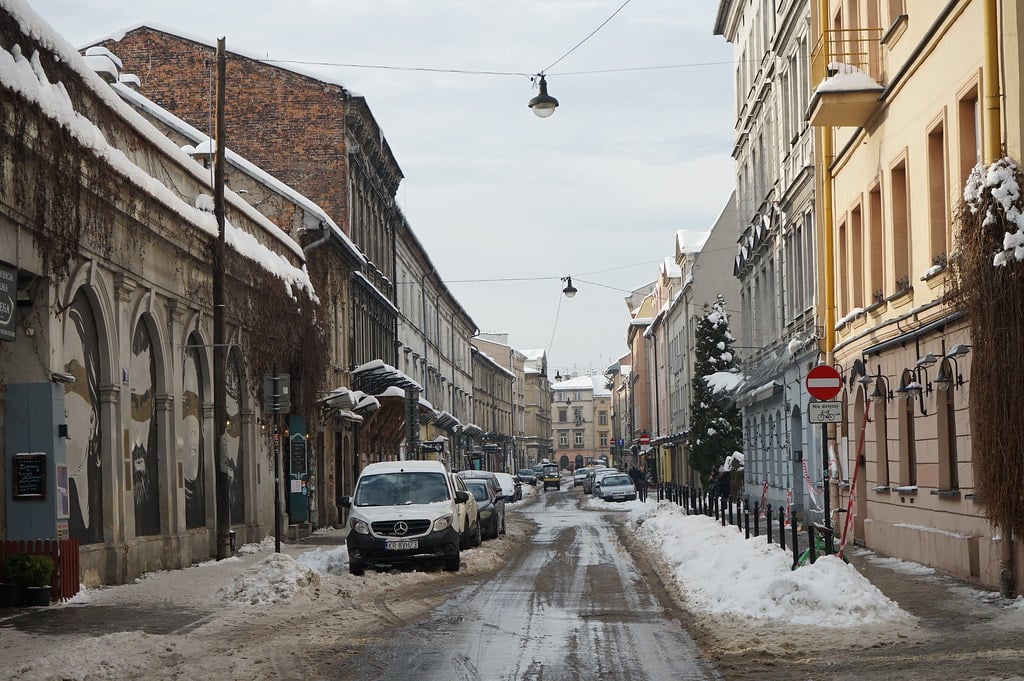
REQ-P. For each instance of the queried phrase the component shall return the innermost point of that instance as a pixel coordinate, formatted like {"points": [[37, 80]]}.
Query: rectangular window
{"points": [[896, 10], [857, 253], [602, 418], [563, 438], [579, 439], [808, 261], [876, 246], [900, 226], [604, 439], [968, 133], [563, 415], [842, 273], [938, 194]]}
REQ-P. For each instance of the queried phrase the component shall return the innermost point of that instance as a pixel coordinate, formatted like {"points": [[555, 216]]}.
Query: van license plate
{"points": [[401, 545]]}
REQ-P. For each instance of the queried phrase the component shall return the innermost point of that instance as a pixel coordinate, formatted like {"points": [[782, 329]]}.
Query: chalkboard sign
{"points": [[29, 476], [297, 452]]}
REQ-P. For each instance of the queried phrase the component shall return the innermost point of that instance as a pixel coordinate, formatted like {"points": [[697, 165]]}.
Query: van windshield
{"points": [[400, 488]]}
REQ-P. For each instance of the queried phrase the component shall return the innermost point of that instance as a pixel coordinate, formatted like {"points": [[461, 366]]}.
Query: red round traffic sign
{"points": [[823, 382], [644, 439]]}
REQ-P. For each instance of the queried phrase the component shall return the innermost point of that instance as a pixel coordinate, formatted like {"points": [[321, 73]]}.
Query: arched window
{"points": [[949, 478], [881, 401], [908, 441], [796, 425]]}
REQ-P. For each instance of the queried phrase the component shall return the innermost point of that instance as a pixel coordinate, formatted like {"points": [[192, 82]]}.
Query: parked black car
{"points": [[527, 476], [491, 506]]}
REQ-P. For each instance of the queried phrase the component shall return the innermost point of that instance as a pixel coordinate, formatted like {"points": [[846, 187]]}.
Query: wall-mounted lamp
{"points": [[543, 105], [949, 374], [913, 384], [882, 389], [569, 289], [958, 350]]}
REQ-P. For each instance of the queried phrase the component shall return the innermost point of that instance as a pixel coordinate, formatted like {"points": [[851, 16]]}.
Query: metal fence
{"points": [[778, 528]]}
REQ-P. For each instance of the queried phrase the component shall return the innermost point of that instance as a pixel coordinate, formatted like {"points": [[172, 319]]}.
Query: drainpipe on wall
{"points": [[992, 152], [829, 288]]}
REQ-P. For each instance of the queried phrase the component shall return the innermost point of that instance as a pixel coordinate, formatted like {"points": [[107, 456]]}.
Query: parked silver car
{"points": [[617, 487]]}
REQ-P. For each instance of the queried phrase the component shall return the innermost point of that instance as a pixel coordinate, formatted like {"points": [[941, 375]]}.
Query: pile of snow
{"points": [[276, 578], [719, 572]]}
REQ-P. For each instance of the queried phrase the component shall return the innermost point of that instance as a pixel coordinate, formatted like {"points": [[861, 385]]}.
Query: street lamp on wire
{"points": [[543, 105]]}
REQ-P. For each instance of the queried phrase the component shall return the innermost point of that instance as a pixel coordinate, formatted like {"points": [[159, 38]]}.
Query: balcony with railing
{"points": [[846, 77]]}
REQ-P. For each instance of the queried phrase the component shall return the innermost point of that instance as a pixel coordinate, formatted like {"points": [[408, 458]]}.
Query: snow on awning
{"points": [[446, 421], [344, 403], [760, 393], [375, 377]]}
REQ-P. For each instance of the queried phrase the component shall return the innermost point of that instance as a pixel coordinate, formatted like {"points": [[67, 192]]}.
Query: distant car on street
{"points": [[552, 477]]}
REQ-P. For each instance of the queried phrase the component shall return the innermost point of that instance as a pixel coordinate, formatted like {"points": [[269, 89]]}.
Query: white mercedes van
{"points": [[402, 510]]}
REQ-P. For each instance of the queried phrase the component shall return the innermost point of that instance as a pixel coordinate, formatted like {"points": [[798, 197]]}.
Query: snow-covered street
{"points": [[266, 615]]}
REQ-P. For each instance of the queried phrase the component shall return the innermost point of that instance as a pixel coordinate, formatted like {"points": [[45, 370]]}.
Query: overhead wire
{"points": [[591, 35]]}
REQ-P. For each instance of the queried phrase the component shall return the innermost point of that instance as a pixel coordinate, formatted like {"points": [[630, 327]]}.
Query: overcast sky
{"points": [[597, 191]]}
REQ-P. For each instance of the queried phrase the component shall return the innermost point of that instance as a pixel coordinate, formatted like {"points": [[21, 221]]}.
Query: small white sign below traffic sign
{"points": [[825, 412]]}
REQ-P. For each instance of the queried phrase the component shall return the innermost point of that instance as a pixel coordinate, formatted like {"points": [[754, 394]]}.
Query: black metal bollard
{"points": [[768, 521], [746, 522], [813, 551], [796, 537], [725, 503], [782, 528], [728, 502], [757, 518]]}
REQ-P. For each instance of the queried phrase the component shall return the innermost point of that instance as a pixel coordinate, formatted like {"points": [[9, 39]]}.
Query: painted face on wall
{"points": [[190, 443], [82, 414], [142, 433]]}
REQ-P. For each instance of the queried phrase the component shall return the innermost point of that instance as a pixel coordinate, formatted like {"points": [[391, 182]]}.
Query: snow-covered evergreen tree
{"points": [[715, 425]]}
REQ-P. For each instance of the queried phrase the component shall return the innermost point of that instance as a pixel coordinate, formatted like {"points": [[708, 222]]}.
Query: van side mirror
{"points": [[461, 496], [345, 502]]}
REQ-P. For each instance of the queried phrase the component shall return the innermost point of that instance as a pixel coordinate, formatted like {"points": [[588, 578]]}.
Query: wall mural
{"points": [[82, 413], [143, 434], [233, 454], [191, 444]]}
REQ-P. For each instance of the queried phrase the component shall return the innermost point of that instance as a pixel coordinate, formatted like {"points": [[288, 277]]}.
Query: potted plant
{"points": [[33, 573]]}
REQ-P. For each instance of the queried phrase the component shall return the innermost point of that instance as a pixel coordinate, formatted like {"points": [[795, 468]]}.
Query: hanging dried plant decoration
{"points": [[988, 282]]}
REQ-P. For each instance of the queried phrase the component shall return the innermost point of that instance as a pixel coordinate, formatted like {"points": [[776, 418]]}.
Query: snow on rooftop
{"points": [[204, 145], [26, 77]]}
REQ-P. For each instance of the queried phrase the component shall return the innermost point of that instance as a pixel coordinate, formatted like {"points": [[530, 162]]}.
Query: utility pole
{"points": [[219, 346]]}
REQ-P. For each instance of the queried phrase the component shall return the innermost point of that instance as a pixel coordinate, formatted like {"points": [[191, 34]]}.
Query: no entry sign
{"points": [[823, 382]]}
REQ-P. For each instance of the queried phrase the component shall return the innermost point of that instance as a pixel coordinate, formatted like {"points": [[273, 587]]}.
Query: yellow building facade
{"points": [[903, 99]]}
